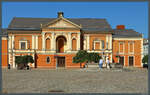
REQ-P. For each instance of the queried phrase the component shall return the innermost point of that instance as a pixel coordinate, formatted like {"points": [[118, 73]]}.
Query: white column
{"points": [[78, 42], [88, 44], [9, 42], [12, 41], [110, 42], [14, 60], [53, 42], [33, 64], [85, 43], [43, 41], [69, 42], [33, 37], [36, 47]]}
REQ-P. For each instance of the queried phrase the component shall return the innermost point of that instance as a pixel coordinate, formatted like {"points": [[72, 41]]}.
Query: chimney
{"points": [[120, 27], [60, 14]]}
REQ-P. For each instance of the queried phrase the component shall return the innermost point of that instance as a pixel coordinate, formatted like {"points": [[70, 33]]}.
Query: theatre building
{"points": [[53, 42]]}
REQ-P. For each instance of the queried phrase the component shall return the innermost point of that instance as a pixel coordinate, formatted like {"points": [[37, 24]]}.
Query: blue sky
{"points": [[134, 15]]}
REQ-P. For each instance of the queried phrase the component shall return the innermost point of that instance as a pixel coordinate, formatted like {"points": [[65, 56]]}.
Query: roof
{"points": [[89, 26], [121, 33], [18, 22]]}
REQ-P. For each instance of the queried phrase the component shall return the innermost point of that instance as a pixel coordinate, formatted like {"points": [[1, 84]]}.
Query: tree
{"points": [[22, 61], [80, 57], [93, 57], [145, 59]]}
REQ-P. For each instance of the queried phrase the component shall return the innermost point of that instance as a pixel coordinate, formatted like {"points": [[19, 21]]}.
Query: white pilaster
{"points": [[88, 44], [33, 37], [33, 64], [14, 60], [69, 42], [12, 41], [110, 42], [85, 43], [78, 42], [9, 41], [53, 43], [43, 41], [36, 47]]}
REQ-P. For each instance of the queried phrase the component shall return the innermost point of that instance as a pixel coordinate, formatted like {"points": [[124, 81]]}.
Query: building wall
{"points": [[4, 56], [136, 48]]}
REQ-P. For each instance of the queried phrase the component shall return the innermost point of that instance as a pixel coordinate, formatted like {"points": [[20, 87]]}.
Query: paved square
{"points": [[128, 80]]}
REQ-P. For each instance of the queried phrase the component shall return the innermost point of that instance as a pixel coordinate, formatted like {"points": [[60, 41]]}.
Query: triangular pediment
{"points": [[62, 23]]}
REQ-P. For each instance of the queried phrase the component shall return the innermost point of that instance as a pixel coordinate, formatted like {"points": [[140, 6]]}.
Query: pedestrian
{"points": [[108, 63], [101, 63]]}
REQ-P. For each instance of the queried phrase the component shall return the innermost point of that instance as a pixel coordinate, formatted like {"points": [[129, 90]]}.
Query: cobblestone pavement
{"points": [[89, 80]]}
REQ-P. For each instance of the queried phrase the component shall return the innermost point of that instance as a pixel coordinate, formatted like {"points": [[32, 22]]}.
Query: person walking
{"points": [[108, 63], [101, 63]]}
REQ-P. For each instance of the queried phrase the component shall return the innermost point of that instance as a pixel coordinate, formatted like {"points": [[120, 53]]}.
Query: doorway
{"points": [[61, 62], [121, 60], [131, 61]]}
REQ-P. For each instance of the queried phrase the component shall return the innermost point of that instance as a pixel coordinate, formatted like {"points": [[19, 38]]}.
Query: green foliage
{"points": [[24, 59], [83, 56], [93, 57], [80, 57], [145, 59]]}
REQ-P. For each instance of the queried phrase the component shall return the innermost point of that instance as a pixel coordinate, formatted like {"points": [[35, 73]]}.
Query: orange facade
{"points": [[57, 42]]}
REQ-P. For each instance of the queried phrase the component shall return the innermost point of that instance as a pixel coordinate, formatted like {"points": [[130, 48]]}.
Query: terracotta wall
{"points": [[100, 36], [4, 53], [41, 61], [136, 55], [27, 37]]}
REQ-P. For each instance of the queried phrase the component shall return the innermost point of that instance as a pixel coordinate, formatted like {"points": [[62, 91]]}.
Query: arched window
{"points": [[74, 44], [48, 60], [48, 44]]}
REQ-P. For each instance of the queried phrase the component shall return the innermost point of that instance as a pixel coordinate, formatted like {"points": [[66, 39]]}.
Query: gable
{"points": [[62, 23]]}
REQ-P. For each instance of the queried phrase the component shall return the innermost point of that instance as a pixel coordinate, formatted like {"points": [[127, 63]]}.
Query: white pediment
{"points": [[62, 24]]}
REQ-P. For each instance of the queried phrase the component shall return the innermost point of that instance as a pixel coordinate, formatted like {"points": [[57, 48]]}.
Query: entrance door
{"points": [[60, 61], [130, 60], [121, 60]]}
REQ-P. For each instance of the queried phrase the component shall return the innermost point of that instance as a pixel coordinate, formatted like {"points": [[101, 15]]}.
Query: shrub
{"points": [[93, 57], [145, 59]]}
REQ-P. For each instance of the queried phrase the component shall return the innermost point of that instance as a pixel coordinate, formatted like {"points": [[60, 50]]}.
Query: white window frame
{"points": [[123, 47], [20, 44], [129, 47], [99, 44]]}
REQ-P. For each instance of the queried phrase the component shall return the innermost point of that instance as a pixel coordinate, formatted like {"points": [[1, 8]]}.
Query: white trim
{"points": [[88, 44], [127, 38], [43, 41], [36, 41], [129, 48], [33, 37], [99, 44], [13, 42], [78, 42], [123, 47], [20, 44], [142, 52]]}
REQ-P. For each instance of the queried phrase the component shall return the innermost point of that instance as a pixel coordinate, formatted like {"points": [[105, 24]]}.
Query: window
{"points": [[121, 47], [48, 60], [131, 47], [23, 45]]}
